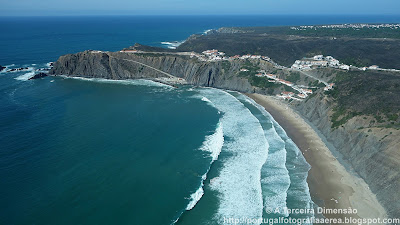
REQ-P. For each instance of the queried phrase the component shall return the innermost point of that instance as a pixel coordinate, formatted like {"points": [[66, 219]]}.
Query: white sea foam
{"points": [[6, 68], [239, 184], [299, 190], [213, 144], [195, 197], [25, 76], [204, 99], [299, 160], [172, 45], [275, 178], [142, 82]]}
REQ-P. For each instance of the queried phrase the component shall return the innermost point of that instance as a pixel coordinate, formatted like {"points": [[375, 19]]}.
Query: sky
{"points": [[197, 7]]}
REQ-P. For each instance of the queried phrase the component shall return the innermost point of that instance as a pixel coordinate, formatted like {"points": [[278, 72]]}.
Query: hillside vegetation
{"points": [[372, 93], [283, 45]]}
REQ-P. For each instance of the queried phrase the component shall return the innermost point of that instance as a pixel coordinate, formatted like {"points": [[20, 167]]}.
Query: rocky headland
{"points": [[369, 144]]}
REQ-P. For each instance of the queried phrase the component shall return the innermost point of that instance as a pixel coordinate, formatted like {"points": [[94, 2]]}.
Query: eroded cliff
{"points": [[372, 152], [117, 65]]}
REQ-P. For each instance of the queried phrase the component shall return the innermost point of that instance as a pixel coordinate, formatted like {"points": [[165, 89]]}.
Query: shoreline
{"points": [[331, 184]]}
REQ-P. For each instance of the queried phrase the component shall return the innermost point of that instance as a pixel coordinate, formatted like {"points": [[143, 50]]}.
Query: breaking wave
{"points": [[296, 167], [25, 76], [6, 68], [238, 182], [204, 99], [213, 144], [173, 44], [275, 180]]}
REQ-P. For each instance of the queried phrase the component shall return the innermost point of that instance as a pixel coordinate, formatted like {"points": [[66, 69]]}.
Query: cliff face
{"points": [[119, 66], [373, 153]]}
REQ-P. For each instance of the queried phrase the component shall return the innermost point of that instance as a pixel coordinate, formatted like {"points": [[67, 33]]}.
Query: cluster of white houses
{"points": [[347, 26], [318, 61], [131, 51], [215, 55], [329, 61]]}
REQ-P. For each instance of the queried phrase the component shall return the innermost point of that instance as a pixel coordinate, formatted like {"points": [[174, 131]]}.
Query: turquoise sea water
{"points": [[89, 151]]}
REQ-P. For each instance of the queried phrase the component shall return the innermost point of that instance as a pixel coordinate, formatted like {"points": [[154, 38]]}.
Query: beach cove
{"points": [[331, 184]]}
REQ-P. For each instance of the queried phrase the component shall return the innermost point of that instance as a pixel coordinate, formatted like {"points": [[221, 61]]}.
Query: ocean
{"points": [[94, 151]]}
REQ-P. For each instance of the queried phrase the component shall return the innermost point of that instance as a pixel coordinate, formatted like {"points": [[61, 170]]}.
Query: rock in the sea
{"points": [[37, 76], [18, 69]]}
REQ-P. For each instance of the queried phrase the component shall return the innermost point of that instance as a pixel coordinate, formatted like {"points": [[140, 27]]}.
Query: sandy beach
{"points": [[331, 185]]}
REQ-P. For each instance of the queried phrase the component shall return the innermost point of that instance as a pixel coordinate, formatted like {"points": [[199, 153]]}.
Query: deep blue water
{"points": [[76, 151], [44, 39]]}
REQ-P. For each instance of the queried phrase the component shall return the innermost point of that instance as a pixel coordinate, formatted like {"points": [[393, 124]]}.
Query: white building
{"points": [[319, 63], [373, 67], [255, 56], [329, 87], [301, 95], [306, 91], [334, 62], [318, 57], [344, 67], [210, 52], [245, 56], [129, 51], [296, 66], [329, 58]]}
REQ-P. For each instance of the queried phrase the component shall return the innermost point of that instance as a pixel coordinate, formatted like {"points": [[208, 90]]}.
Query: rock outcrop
{"points": [[18, 69], [38, 76]]}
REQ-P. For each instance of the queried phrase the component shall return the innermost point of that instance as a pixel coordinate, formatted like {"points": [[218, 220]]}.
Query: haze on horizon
{"points": [[190, 7]]}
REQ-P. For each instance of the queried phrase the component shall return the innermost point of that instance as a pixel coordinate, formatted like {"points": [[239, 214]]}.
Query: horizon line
{"points": [[221, 15]]}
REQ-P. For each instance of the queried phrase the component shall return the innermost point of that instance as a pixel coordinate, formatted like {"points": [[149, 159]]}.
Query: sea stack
{"points": [[37, 76]]}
